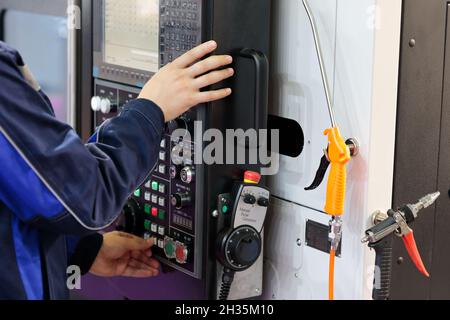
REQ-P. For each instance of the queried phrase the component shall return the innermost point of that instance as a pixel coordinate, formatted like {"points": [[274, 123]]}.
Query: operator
{"points": [[57, 193]]}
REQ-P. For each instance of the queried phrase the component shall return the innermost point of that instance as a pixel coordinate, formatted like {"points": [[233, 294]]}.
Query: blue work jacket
{"points": [[54, 188]]}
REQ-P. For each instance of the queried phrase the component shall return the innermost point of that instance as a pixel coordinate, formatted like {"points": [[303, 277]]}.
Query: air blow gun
{"points": [[380, 237], [338, 155]]}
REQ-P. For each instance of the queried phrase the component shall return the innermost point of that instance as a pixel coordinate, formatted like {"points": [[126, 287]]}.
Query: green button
{"points": [[162, 214], [147, 209], [147, 225], [155, 185], [137, 193], [169, 248], [225, 209]]}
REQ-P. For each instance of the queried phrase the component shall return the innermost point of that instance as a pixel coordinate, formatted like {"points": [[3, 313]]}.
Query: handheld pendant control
{"points": [[241, 217]]}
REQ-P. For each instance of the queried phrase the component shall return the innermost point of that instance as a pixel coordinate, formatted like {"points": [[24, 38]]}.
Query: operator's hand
{"points": [[125, 255], [176, 87]]}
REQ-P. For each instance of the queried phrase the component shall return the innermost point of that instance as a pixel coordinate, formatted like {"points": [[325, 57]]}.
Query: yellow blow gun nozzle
{"points": [[339, 156]]}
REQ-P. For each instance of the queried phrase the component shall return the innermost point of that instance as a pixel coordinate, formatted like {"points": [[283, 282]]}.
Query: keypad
{"points": [[180, 23]]}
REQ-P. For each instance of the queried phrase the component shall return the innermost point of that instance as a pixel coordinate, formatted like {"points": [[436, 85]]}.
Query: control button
{"points": [[160, 243], [137, 193], [154, 228], [96, 103], [147, 235], [169, 248], [147, 209], [147, 225], [105, 106], [263, 202], [249, 199], [162, 231], [154, 212], [155, 185], [187, 174], [162, 169], [163, 143], [179, 200], [148, 184], [162, 201], [225, 209], [162, 156], [154, 198], [181, 253], [147, 196], [162, 188], [162, 214]]}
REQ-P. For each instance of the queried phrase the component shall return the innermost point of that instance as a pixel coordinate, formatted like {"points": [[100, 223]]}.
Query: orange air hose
{"points": [[331, 275]]}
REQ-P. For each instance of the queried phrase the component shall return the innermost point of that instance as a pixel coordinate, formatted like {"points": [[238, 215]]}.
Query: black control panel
{"points": [[165, 207], [132, 40]]}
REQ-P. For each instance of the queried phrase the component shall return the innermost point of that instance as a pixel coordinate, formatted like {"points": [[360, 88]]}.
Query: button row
{"points": [[175, 46], [153, 198], [155, 186], [181, 25], [155, 212], [183, 222], [154, 228], [124, 73], [189, 5], [157, 241], [173, 36], [181, 14]]}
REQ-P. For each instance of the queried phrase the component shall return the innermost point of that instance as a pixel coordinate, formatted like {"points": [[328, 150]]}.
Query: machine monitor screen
{"points": [[131, 34]]}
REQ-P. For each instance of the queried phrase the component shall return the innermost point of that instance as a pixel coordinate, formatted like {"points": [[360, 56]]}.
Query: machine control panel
{"points": [[129, 48]]}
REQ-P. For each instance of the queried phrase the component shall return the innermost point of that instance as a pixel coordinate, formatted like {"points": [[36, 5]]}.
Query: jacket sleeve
{"points": [[50, 179]]}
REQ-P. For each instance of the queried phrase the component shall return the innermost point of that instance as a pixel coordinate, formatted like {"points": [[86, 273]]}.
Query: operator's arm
{"points": [[49, 178]]}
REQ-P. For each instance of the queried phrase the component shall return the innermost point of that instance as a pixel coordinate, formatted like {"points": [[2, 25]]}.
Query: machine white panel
{"points": [[292, 270], [297, 92], [360, 40]]}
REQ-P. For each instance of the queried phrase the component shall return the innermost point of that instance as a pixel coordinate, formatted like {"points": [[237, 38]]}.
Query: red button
{"points": [[154, 212], [181, 253]]}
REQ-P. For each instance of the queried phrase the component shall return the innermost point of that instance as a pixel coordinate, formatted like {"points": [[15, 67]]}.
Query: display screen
{"points": [[131, 34]]}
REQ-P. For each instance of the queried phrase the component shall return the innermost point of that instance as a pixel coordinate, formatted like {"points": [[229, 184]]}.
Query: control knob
{"points": [[105, 106], [180, 200], [96, 102], [187, 174], [249, 199]]}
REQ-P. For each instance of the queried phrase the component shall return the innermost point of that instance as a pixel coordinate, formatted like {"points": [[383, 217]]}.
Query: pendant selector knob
{"points": [[239, 249]]}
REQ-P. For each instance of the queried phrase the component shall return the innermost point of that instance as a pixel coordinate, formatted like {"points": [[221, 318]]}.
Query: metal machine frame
{"points": [[423, 124]]}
